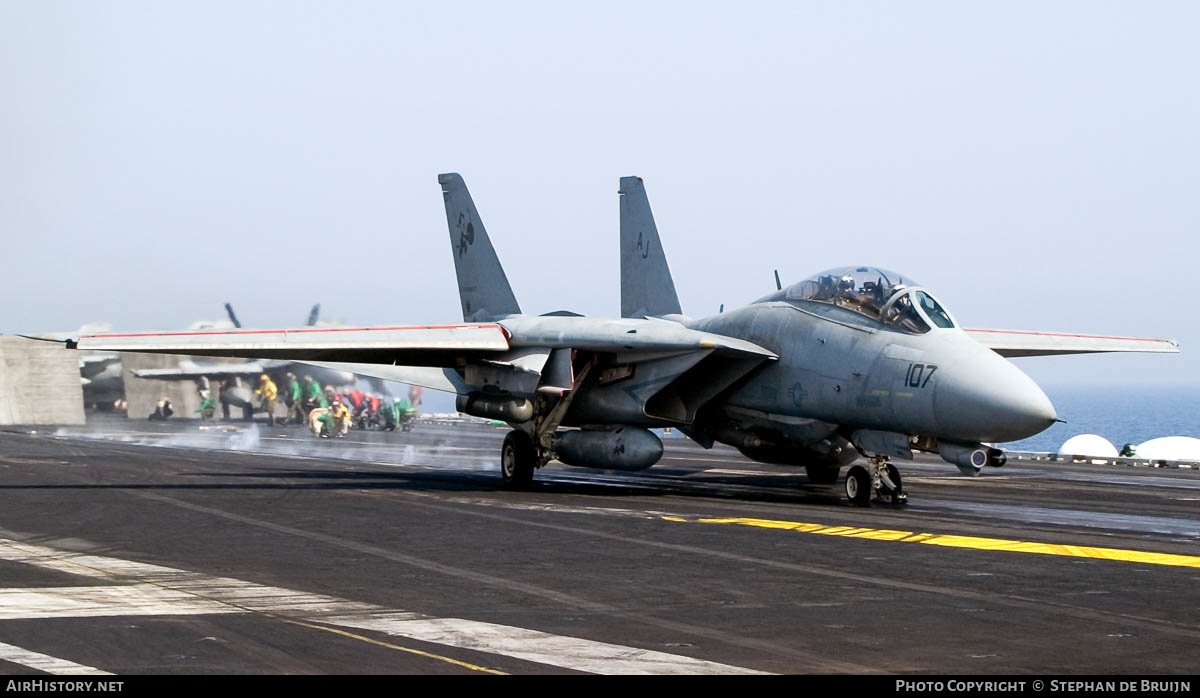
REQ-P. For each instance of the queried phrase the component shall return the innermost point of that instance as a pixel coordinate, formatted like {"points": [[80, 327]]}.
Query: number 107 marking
{"points": [[919, 375]]}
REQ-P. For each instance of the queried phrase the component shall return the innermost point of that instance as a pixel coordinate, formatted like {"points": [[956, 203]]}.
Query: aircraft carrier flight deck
{"points": [[128, 547]]}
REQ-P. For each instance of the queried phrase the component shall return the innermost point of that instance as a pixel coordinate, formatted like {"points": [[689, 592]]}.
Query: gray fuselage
{"points": [[839, 367], [837, 371]]}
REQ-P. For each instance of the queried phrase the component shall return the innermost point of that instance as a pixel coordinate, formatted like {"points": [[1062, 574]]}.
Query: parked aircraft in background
{"points": [[241, 378], [99, 371], [855, 361], [247, 370], [102, 375]]}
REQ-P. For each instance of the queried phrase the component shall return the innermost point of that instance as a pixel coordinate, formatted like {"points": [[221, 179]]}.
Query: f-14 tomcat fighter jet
{"points": [[851, 362]]}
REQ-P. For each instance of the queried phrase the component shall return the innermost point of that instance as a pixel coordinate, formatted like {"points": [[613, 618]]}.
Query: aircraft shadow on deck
{"points": [[795, 491]]}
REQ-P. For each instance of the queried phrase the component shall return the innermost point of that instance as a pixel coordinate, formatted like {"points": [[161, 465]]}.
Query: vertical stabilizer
{"points": [[232, 317], [482, 286], [646, 285]]}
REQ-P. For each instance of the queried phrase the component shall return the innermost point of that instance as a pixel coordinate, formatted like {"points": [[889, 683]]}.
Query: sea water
{"points": [[1121, 414]]}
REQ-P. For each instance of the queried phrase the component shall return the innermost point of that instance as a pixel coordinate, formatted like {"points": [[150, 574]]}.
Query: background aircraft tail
{"points": [[482, 286], [646, 285], [232, 317]]}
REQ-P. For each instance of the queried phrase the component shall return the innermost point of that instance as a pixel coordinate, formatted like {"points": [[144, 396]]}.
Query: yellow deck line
{"points": [[410, 650], [953, 541]]}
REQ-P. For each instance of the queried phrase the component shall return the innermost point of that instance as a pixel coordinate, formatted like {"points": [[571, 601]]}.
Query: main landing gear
{"points": [[518, 459], [527, 449], [879, 480]]}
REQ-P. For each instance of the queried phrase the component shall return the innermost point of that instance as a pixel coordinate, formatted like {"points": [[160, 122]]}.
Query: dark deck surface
{"points": [[127, 547]]}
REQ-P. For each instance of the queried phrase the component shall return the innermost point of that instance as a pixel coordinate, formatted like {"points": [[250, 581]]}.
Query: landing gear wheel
{"points": [[517, 459], [858, 486], [896, 492], [821, 475]]}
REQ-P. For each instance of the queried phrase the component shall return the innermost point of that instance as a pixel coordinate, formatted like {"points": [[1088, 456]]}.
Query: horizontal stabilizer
{"points": [[1014, 343], [431, 377], [190, 369]]}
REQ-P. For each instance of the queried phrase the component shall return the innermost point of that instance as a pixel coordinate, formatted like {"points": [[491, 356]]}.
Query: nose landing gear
{"points": [[881, 480]]}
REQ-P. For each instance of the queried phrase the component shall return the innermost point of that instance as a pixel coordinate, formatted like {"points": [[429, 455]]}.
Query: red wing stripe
{"points": [[1081, 336], [329, 329]]}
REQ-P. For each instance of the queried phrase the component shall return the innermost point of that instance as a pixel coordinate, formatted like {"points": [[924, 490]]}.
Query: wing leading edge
{"points": [[456, 358], [443, 345], [1015, 343]]}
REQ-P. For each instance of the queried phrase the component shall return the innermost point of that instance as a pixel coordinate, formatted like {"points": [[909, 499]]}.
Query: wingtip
{"points": [[71, 343]]}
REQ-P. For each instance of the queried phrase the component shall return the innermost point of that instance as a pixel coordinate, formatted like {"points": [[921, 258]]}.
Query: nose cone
{"points": [[988, 399]]}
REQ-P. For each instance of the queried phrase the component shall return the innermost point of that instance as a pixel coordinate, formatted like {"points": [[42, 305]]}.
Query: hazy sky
{"points": [[1036, 164]]}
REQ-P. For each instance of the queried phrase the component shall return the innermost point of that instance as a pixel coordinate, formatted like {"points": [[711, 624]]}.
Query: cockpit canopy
{"points": [[879, 294]]}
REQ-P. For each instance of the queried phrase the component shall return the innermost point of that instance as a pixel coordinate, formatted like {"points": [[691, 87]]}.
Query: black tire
{"points": [[517, 458], [858, 486], [897, 495], [822, 475]]}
